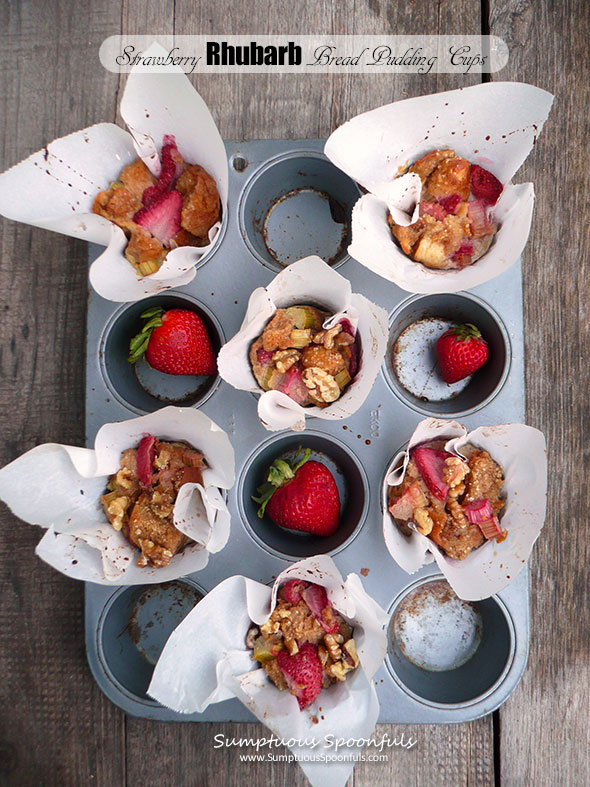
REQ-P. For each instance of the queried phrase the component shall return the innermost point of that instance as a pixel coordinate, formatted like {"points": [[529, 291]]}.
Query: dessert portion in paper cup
{"points": [[473, 501], [308, 345], [300, 656], [441, 213], [158, 214], [145, 505]]}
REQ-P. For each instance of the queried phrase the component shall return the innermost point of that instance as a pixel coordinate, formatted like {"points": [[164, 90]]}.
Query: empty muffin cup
{"points": [[138, 386], [411, 365], [444, 651], [350, 479], [297, 205], [134, 626]]}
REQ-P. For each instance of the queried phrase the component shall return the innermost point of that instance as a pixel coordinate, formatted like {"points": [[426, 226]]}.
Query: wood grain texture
{"points": [[56, 727], [545, 737]]}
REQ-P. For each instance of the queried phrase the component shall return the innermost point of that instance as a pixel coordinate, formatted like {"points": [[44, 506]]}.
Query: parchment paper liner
{"points": [[521, 451], [307, 281], [206, 661], [59, 488], [494, 125], [56, 187]]}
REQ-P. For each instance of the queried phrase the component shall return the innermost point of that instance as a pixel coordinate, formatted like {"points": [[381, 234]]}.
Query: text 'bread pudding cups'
{"points": [[56, 187], [107, 523], [325, 352], [492, 126], [474, 502], [208, 659]]}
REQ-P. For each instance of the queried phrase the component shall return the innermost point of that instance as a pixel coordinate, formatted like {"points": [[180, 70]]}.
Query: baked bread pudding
{"points": [[455, 227], [454, 502], [160, 214], [297, 356], [305, 645], [142, 493]]}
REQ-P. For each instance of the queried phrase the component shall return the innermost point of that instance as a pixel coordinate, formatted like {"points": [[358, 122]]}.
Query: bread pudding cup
{"points": [[309, 282], [196, 670], [492, 125], [56, 187], [69, 482], [481, 566]]}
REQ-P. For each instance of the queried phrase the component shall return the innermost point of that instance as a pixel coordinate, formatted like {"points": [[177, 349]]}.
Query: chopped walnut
{"points": [[350, 652], [343, 339], [328, 337], [455, 471], [117, 510], [333, 647], [424, 523], [322, 385], [251, 636], [284, 359], [270, 627]]}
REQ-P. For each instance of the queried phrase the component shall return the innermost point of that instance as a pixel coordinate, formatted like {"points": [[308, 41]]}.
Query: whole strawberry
{"points": [[174, 342], [303, 497], [461, 351]]}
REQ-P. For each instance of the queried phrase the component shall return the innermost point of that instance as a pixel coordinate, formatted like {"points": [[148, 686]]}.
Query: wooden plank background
{"points": [[56, 728]]}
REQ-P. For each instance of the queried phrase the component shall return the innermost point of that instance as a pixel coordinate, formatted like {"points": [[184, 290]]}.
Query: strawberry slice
{"points": [[450, 203], [413, 498], [303, 673], [291, 590], [162, 218], [146, 452], [316, 598], [172, 165], [292, 384], [484, 185], [478, 511], [431, 463]]}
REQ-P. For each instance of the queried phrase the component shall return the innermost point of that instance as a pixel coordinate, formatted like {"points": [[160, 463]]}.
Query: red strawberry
{"points": [[484, 185], [303, 673], [146, 452], [461, 351], [431, 463], [316, 598], [301, 497], [174, 342], [171, 167], [162, 217], [450, 203], [291, 590]]}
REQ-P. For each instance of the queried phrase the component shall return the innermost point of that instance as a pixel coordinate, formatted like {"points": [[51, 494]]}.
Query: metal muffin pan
{"points": [[282, 194]]}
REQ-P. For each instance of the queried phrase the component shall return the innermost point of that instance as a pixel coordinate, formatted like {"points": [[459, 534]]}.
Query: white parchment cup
{"points": [[307, 281], [55, 188], [521, 452], [206, 660], [494, 125], [59, 488]]}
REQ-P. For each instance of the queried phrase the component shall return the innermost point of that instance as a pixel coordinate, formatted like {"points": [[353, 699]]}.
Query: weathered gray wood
{"points": [[545, 738]]}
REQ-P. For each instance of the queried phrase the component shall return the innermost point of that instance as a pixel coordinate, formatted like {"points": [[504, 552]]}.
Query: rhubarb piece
{"points": [[300, 338], [478, 511], [316, 598], [292, 384], [491, 528], [291, 590], [477, 211], [146, 452], [404, 506], [264, 650], [484, 185], [162, 218], [305, 317], [342, 378], [433, 209], [303, 673], [463, 255], [431, 464]]}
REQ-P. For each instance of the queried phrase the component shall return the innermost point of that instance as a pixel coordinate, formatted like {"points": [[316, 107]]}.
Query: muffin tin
{"points": [[287, 201]]}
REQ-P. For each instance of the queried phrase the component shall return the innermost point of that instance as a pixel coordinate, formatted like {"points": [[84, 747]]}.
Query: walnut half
{"points": [[322, 386]]}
